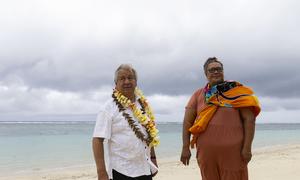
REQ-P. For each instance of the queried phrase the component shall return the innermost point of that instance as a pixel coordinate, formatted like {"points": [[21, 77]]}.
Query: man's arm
{"points": [[99, 158], [189, 118], [249, 130], [152, 154], [153, 159]]}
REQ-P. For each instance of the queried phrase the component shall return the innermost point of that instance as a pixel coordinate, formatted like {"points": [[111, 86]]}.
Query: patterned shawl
{"points": [[228, 94]]}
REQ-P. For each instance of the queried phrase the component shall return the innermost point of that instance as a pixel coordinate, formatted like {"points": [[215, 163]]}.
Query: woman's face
{"points": [[126, 82], [214, 73]]}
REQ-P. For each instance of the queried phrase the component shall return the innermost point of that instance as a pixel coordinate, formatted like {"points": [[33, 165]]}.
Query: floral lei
{"points": [[144, 115]]}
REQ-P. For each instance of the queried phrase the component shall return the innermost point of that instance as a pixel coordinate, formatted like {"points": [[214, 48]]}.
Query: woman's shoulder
{"points": [[198, 92]]}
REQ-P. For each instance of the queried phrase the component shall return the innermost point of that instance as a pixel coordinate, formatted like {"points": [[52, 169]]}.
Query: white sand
{"points": [[274, 163]]}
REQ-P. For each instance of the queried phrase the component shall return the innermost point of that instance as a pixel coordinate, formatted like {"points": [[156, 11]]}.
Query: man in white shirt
{"points": [[127, 123]]}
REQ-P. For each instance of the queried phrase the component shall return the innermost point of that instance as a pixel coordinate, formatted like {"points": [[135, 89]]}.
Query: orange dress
{"points": [[219, 146]]}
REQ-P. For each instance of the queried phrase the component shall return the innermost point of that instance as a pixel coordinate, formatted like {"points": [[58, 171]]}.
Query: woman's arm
{"points": [[249, 130], [189, 118]]}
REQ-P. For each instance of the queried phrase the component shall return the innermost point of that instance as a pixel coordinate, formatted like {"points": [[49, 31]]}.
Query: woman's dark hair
{"points": [[211, 60]]}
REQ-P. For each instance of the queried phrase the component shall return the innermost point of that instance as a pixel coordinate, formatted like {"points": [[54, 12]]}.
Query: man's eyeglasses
{"points": [[215, 69]]}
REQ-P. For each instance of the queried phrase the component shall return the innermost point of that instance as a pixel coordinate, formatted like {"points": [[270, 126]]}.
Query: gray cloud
{"points": [[76, 47], [158, 72]]}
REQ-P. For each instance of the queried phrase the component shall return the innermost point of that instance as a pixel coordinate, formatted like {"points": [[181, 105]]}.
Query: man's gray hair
{"points": [[125, 67]]}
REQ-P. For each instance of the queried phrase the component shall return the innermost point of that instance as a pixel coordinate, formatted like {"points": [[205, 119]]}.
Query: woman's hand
{"points": [[246, 154], [185, 155]]}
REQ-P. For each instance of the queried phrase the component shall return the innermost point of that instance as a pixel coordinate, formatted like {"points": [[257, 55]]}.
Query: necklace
{"points": [[144, 116]]}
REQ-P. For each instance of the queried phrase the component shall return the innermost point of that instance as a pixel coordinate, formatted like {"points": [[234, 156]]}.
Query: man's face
{"points": [[126, 82], [214, 73]]}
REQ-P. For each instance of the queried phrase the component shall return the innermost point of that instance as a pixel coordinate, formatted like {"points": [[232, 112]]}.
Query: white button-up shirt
{"points": [[126, 153]]}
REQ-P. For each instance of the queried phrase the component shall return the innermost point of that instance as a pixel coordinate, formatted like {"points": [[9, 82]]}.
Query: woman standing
{"points": [[221, 118]]}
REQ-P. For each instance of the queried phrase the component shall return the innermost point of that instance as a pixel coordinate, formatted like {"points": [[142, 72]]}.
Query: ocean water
{"points": [[37, 146]]}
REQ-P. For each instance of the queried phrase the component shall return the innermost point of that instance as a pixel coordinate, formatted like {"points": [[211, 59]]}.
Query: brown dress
{"points": [[219, 146]]}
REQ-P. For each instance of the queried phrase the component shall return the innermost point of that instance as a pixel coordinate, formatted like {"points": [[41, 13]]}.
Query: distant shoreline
{"points": [[92, 122]]}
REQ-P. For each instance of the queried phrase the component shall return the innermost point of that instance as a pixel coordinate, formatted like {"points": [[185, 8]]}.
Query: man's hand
{"points": [[185, 156], [103, 175], [246, 154], [154, 162]]}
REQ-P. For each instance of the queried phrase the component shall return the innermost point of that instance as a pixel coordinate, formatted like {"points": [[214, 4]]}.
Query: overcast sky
{"points": [[59, 57]]}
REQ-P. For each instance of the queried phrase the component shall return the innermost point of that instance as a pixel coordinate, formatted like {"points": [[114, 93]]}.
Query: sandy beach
{"points": [[273, 163]]}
